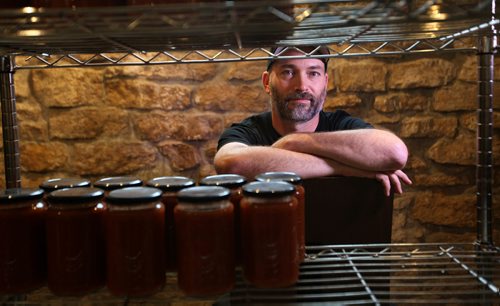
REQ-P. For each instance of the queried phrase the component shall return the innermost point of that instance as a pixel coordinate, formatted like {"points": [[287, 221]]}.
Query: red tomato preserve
{"points": [[295, 180], [116, 182], [60, 183], [170, 185], [233, 182], [75, 241], [22, 240], [205, 241], [269, 234], [135, 235]]}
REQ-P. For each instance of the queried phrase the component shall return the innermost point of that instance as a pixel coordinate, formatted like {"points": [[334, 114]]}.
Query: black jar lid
{"points": [[75, 195], [60, 183], [289, 177], [271, 189], [202, 194], [13, 195], [116, 182], [171, 183], [224, 180], [133, 195]]}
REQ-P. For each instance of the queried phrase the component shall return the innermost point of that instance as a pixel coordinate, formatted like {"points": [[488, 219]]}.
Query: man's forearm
{"points": [[365, 149], [250, 161]]}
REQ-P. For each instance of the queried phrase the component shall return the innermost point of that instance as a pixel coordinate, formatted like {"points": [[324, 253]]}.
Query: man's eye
{"points": [[287, 72], [314, 73]]}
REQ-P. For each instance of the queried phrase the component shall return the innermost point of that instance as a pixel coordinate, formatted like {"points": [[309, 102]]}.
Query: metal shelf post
{"points": [[9, 123]]}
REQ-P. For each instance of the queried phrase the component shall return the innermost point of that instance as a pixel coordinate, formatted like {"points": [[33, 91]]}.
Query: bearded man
{"points": [[298, 136]]}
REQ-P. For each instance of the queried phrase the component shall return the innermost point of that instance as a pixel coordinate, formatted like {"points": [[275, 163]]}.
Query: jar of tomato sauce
{"points": [[22, 240], [205, 241], [233, 182], [269, 234], [135, 236], [170, 186], [60, 183], [75, 240], [116, 182], [295, 180]]}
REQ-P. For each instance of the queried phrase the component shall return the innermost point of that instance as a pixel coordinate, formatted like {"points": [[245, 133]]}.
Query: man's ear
{"points": [[265, 81]]}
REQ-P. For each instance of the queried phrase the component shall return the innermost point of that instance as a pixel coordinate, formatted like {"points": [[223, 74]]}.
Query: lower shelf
{"points": [[345, 274]]}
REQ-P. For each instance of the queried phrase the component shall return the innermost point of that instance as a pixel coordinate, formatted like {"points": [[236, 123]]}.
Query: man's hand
{"points": [[395, 179]]}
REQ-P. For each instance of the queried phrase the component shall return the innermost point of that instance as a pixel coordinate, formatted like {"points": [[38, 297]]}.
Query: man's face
{"points": [[298, 88]]}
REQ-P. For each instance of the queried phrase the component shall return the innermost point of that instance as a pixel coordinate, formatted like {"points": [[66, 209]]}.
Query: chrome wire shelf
{"points": [[374, 274], [236, 30], [393, 274]]}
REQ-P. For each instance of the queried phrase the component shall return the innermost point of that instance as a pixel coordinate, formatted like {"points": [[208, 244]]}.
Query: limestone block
{"points": [[459, 96], [421, 73], [400, 102], [246, 71], [449, 210], [228, 97], [88, 123], [427, 126], [469, 70], [157, 126], [27, 111], [68, 87], [142, 94], [112, 157], [33, 130], [45, 156], [182, 156], [440, 179], [361, 75], [22, 85], [198, 72], [446, 237], [341, 101], [415, 162]]}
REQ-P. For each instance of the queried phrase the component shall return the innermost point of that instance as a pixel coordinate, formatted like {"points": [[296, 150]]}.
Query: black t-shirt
{"points": [[258, 130]]}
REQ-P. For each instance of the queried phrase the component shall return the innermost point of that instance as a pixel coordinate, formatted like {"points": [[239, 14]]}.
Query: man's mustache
{"points": [[300, 96]]}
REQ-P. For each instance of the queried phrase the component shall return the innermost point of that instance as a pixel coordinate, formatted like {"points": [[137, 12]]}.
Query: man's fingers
{"points": [[396, 183], [386, 183], [403, 177]]}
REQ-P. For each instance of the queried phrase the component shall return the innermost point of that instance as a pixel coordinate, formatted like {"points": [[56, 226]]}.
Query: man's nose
{"points": [[301, 82]]}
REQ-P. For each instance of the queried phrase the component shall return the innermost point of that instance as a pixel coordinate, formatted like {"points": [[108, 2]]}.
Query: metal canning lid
{"points": [[116, 182], [203, 194], [224, 180], [12, 195], [271, 189], [171, 183], [289, 177], [133, 195], [75, 195], [60, 183]]}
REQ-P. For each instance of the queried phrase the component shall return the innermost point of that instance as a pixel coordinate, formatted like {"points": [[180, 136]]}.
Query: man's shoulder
{"points": [[257, 119], [339, 120]]}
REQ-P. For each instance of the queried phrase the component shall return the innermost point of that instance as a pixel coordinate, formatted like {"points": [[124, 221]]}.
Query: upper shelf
{"points": [[236, 30]]}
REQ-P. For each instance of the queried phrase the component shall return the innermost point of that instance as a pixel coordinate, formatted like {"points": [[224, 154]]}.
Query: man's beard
{"points": [[300, 112]]}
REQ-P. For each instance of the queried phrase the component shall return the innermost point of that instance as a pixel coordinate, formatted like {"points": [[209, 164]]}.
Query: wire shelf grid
{"points": [[58, 37]]}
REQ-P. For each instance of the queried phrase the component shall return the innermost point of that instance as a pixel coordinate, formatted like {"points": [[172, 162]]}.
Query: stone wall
{"points": [[165, 120]]}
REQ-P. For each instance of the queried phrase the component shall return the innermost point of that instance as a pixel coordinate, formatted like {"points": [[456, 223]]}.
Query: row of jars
{"points": [[119, 233]]}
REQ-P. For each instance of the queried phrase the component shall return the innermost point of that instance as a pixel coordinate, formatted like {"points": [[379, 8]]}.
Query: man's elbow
{"points": [[398, 154], [228, 164]]}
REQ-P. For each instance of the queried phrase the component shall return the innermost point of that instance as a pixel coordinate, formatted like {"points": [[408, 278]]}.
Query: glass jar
{"points": [[295, 180], [116, 182], [22, 240], [233, 182], [135, 235], [59, 183], [204, 225], [269, 234], [75, 240], [170, 185]]}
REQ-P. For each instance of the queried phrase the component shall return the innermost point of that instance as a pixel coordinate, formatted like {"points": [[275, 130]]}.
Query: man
{"points": [[298, 136]]}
